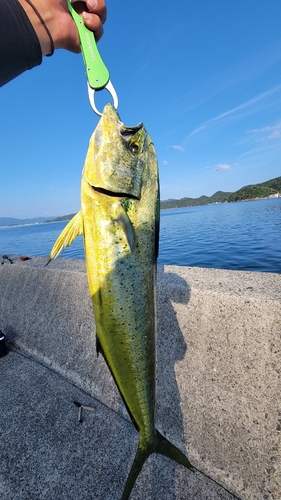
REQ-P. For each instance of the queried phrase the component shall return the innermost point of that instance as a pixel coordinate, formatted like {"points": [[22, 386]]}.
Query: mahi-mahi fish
{"points": [[119, 220]]}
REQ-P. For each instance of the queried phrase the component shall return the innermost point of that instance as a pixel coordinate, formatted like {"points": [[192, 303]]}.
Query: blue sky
{"points": [[204, 77]]}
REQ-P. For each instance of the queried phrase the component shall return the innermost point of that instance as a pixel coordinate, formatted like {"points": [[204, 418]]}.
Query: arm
{"points": [[24, 40]]}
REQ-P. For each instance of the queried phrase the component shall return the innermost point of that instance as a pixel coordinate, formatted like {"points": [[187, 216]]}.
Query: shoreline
{"points": [[271, 197]]}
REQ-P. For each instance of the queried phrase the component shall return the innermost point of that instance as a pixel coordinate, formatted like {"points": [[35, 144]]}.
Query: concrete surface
{"points": [[218, 367], [45, 454]]}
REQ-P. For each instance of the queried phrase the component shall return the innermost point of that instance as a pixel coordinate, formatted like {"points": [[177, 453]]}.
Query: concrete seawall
{"points": [[219, 363]]}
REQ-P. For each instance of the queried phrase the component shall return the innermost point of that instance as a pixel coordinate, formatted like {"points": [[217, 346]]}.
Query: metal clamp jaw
{"points": [[96, 71]]}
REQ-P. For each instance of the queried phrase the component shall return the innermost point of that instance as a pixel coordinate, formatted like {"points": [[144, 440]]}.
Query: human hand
{"points": [[93, 13], [60, 23]]}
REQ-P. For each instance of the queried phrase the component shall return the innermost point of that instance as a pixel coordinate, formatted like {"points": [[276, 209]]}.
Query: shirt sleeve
{"points": [[20, 48]]}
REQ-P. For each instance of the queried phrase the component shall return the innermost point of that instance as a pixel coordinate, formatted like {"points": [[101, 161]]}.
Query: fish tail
{"points": [[164, 447], [140, 458], [161, 446]]}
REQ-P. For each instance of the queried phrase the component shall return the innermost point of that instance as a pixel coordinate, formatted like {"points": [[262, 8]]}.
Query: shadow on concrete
{"points": [[171, 348]]}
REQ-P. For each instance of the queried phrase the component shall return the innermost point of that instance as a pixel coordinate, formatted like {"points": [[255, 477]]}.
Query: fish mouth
{"points": [[113, 194], [128, 132]]}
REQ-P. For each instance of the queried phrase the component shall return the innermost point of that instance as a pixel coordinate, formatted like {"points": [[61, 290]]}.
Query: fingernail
{"points": [[87, 16]]}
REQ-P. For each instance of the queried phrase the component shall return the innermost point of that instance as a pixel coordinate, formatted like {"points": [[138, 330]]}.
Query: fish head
{"points": [[116, 156]]}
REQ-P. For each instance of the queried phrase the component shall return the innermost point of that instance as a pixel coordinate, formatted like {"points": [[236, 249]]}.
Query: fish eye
{"points": [[134, 147]]}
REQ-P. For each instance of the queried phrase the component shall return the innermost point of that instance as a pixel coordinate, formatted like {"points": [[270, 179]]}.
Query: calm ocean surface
{"points": [[240, 236]]}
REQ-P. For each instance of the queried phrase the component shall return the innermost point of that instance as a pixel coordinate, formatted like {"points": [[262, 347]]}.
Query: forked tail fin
{"points": [[162, 446]]}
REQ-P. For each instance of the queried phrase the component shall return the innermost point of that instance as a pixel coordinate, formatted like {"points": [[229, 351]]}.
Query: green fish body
{"points": [[119, 220]]}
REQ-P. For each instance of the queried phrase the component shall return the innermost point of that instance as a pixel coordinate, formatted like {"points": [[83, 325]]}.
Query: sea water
{"points": [[239, 236]]}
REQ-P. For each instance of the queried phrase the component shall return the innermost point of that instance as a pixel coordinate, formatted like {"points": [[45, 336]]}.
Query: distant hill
{"points": [[262, 190], [59, 219], [251, 192], [12, 221], [218, 197]]}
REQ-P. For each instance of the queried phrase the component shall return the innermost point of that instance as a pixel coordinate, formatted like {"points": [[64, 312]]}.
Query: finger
{"points": [[97, 7], [94, 24]]}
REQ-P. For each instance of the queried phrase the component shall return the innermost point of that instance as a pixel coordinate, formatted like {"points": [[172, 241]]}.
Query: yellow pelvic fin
{"points": [[124, 222], [74, 228]]}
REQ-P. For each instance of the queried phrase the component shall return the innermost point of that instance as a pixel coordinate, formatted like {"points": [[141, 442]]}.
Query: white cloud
{"points": [[178, 148], [222, 166], [266, 129], [273, 129], [165, 162], [275, 135], [251, 104]]}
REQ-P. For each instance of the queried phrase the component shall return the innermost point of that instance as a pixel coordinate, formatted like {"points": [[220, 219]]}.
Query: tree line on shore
{"points": [[251, 192]]}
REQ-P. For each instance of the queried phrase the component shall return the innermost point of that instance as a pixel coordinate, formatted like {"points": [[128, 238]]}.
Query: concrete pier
{"points": [[219, 365]]}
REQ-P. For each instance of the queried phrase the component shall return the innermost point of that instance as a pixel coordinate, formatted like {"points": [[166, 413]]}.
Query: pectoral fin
{"points": [[74, 228], [124, 222]]}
